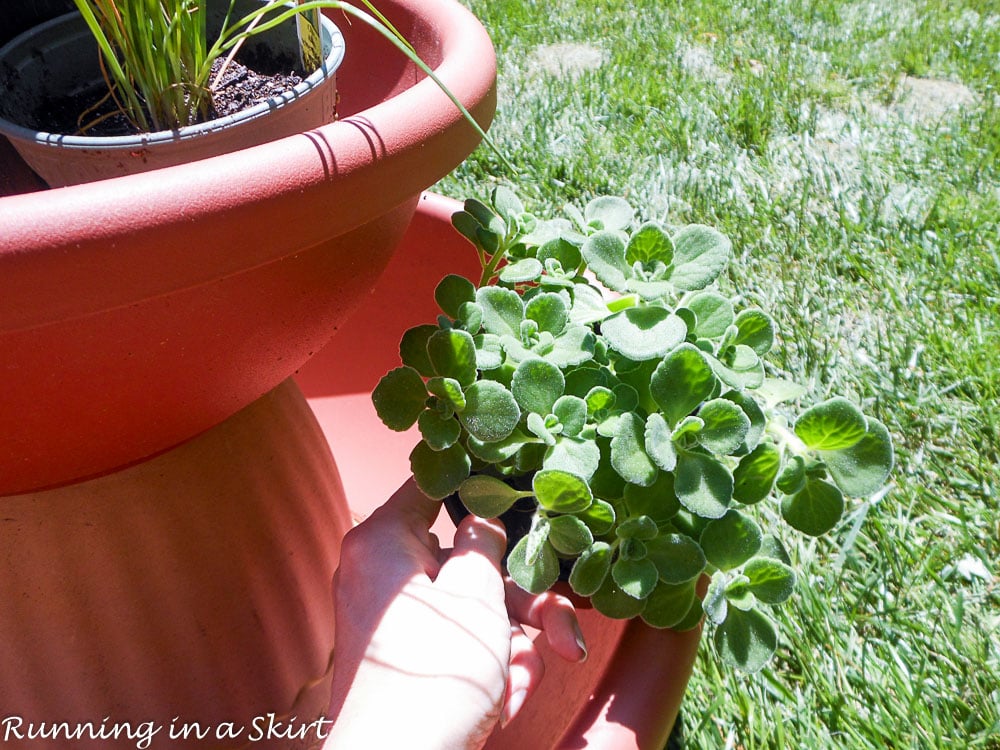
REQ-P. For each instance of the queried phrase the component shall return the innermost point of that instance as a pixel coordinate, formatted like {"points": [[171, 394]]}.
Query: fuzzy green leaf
{"points": [[572, 414], [449, 391], [713, 314], [678, 558], [489, 352], [569, 535], [486, 496], [491, 413], [648, 245], [832, 425], [658, 442], [681, 382], [399, 398], [756, 330], [536, 385], [730, 541], [452, 354], [413, 349], [537, 576], [612, 602], [439, 473], [814, 509], [591, 569], [758, 420], [658, 501], [437, 432], [599, 517], [561, 492], [588, 305], [574, 455], [715, 602], [605, 256], [451, 292], [771, 581], [608, 212], [521, 271], [549, 311], [754, 477], [503, 310], [746, 640], [641, 333], [628, 454], [703, 485], [700, 254], [637, 578], [668, 605], [862, 469], [500, 451], [725, 426], [741, 369]]}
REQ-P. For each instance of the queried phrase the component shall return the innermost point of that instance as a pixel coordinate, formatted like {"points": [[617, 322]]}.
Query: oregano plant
{"points": [[596, 371]]}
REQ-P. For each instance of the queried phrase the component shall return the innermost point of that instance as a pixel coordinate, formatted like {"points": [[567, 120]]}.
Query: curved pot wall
{"points": [[195, 586], [138, 311]]}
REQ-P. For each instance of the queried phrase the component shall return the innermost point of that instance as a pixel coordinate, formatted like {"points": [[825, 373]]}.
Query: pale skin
{"points": [[430, 649]]}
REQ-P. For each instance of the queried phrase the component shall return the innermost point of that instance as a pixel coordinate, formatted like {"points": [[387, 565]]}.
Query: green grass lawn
{"points": [[851, 150]]}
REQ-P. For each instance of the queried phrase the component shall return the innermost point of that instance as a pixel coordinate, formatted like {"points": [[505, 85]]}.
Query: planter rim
{"points": [[128, 142], [64, 246]]}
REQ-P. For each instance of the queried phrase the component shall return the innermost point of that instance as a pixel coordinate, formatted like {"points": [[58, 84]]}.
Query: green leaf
{"points": [[669, 604], [569, 535], [681, 382], [489, 352], [730, 541], [649, 244], [521, 271], [506, 203], [537, 538], [832, 425], [451, 292], [413, 349], [452, 354], [758, 420], [659, 443], [399, 398], [605, 256], [574, 455], [535, 577], [862, 469], [503, 310], [703, 485], [746, 640], [658, 501], [756, 330], [754, 477], [572, 414], [793, 475], [536, 385], [549, 311], [449, 391], [771, 581], [713, 313], [561, 492], [637, 578], [641, 333], [725, 426], [491, 413], [612, 602], [742, 369], [439, 433], [700, 254], [815, 509], [599, 517], [628, 454], [591, 569], [486, 496], [572, 347], [608, 212], [678, 558], [561, 250], [439, 473], [716, 604], [499, 451]]}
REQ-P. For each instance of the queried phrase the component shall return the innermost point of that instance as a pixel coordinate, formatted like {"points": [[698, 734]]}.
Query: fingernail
{"points": [[512, 707], [579, 640]]}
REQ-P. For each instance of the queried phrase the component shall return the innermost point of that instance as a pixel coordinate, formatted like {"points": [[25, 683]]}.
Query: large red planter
{"points": [[139, 311]]}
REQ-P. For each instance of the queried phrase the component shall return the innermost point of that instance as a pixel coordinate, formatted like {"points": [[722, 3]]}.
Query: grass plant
{"points": [[851, 151]]}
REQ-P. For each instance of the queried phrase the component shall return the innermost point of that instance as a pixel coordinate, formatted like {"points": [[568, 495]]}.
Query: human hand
{"points": [[430, 650]]}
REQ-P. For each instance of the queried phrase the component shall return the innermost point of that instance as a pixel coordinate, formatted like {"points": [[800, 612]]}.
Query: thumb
{"points": [[474, 564]]}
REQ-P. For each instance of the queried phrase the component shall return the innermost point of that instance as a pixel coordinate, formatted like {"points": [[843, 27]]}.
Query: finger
{"points": [[409, 502], [554, 615], [526, 671], [474, 562]]}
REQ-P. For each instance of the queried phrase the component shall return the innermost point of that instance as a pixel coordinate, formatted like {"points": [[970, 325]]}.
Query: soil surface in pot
{"points": [[95, 113]]}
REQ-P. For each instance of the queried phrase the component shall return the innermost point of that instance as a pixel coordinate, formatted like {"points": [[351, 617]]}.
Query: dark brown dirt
{"points": [[241, 87]]}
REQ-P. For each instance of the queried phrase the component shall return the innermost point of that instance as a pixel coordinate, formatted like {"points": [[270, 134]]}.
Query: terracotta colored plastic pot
{"points": [[193, 588], [139, 311], [60, 57], [627, 694]]}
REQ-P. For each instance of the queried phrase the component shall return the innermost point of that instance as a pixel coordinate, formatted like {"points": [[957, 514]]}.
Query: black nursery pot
{"points": [[517, 520]]}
